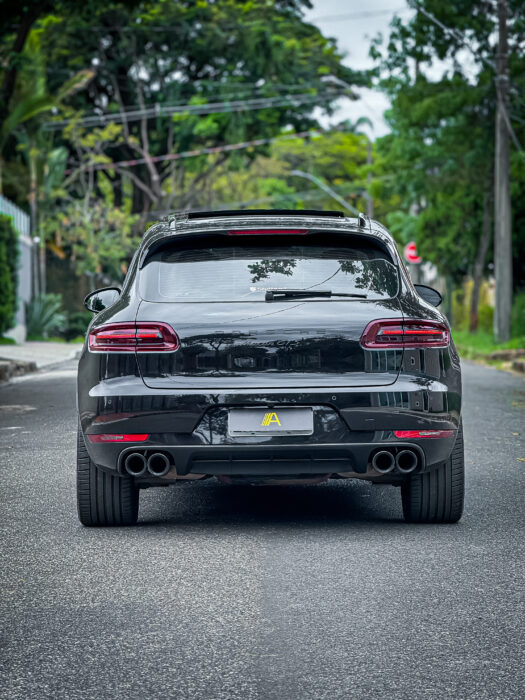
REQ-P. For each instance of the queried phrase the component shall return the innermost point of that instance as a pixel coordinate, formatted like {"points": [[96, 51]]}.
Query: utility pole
{"points": [[502, 207], [369, 199]]}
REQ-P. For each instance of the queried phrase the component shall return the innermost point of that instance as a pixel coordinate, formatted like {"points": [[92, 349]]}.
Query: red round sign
{"points": [[410, 253]]}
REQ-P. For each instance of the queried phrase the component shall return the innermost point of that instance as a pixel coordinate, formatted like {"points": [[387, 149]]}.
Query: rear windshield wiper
{"points": [[276, 294]]}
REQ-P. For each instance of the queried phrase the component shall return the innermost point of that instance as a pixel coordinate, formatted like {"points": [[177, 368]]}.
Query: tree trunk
{"points": [[449, 287], [42, 260], [33, 216], [479, 263], [502, 208]]}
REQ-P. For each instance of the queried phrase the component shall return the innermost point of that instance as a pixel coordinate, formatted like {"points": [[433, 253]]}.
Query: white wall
{"points": [[25, 244]]}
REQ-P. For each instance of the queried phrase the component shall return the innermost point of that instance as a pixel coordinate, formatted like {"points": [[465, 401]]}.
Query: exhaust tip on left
{"points": [[383, 462], [135, 464]]}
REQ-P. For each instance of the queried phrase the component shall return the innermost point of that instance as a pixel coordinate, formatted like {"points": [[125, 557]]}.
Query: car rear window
{"points": [[221, 268]]}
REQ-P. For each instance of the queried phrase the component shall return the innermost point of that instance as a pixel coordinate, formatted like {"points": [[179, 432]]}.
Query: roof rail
{"points": [[362, 219], [263, 212]]}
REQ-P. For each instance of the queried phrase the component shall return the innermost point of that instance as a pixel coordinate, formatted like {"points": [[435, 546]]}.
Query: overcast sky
{"points": [[353, 24]]}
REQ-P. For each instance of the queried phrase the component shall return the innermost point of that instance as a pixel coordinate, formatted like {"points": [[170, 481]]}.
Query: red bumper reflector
{"points": [[407, 434], [268, 231], [112, 437]]}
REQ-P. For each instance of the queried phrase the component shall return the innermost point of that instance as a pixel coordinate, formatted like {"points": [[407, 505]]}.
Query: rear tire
{"points": [[103, 499], [437, 496]]}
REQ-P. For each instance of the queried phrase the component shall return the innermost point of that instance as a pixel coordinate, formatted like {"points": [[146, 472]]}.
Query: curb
{"points": [[15, 368], [519, 365], [508, 355]]}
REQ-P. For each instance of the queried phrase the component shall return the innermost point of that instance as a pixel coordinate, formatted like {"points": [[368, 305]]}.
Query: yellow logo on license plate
{"points": [[270, 418]]}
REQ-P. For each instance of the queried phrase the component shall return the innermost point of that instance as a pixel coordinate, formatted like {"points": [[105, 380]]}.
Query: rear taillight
{"points": [[411, 333], [268, 231], [133, 337], [408, 434], [119, 437]]}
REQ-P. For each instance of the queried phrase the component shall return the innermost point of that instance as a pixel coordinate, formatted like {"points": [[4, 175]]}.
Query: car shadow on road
{"points": [[209, 503]]}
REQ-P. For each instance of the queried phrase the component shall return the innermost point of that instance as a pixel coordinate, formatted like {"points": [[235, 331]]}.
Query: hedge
{"points": [[8, 273]]}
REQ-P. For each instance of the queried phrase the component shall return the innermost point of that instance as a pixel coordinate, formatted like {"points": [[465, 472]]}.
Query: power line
{"points": [[413, 4], [159, 110], [231, 88], [356, 15], [459, 37], [198, 152]]}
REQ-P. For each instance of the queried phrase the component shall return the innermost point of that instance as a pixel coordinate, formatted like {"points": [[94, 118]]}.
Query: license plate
{"points": [[270, 421]]}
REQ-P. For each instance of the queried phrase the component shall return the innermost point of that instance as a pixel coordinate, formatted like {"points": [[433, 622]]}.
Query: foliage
{"points": [[44, 316], [442, 89], [98, 237], [30, 99], [461, 301], [518, 315], [338, 158], [8, 273], [86, 226], [480, 345], [137, 55], [476, 345], [195, 53], [77, 323], [445, 136]]}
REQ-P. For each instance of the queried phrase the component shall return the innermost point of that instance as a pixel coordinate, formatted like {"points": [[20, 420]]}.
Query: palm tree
{"points": [[31, 98]]}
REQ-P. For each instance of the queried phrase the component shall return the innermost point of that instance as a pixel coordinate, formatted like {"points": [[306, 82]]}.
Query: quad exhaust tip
{"points": [[135, 464], [404, 462], [383, 462], [158, 464]]}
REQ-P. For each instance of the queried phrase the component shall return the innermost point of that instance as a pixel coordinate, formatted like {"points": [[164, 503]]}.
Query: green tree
{"points": [[149, 58], [24, 92], [441, 145], [168, 53], [338, 158], [84, 223]]}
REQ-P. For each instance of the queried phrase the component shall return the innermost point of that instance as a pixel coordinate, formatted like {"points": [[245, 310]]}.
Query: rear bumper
{"points": [[191, 426], [289, 460]]}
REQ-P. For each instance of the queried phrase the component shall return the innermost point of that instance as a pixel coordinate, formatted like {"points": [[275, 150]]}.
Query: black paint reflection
{"points": [[232, 354]]}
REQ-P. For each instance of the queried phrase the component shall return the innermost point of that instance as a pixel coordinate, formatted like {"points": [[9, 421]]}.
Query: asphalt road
{"points": [[226, 592]]}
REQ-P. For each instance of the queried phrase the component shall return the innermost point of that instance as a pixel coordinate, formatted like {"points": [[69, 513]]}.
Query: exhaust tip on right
{"points": [[158, 464], [406, 461]]}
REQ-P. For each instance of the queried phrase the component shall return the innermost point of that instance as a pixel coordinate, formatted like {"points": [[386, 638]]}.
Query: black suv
{"points": [[268, 347]]}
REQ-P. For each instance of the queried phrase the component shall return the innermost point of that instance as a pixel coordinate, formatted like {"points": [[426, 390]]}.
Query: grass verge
{"points": [[481, 346]]}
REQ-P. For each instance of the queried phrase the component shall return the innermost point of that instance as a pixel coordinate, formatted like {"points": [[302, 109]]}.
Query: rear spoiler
{"points": [[262, 212], [363, 220]]}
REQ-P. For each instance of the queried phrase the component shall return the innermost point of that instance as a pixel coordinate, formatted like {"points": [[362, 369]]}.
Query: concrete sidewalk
{"points": [[42, 354]]}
